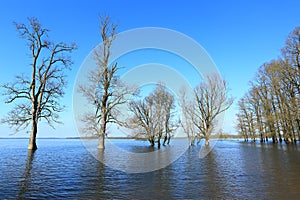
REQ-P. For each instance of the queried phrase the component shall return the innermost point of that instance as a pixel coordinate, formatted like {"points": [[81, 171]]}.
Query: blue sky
{"points": [[238, 35]]}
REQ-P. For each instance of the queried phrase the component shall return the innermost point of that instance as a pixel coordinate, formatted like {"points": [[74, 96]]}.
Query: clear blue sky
{"points": [[239, 36]]}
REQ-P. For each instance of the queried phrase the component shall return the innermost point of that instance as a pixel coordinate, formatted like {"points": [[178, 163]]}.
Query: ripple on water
{"points": [[64, 169]]}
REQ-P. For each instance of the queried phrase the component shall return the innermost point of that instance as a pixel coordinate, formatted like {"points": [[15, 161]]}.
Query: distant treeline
{"points": [[270, 109]]}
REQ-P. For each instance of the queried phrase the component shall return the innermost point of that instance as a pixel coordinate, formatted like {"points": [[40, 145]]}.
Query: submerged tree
{"points": [[274, 101], [144, 120], [38, 96], [276, 93], [164, 110], [187, 115], [153, 117], [104, 89], [210, 100]]}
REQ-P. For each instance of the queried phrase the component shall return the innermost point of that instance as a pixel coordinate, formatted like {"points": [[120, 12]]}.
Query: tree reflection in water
{"points": [[26, 177]]}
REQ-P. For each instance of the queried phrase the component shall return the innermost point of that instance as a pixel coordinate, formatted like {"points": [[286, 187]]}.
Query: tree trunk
{"points": [[159, 138], [32, 140], [152, 142], [192, 141], [169, 139], [101, 139], [165, 139], [158, 143], [298, 123], [206, 141], [102, 133]]}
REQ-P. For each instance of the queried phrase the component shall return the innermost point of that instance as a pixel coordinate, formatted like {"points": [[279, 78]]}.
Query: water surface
{"points": [[64, 169]]}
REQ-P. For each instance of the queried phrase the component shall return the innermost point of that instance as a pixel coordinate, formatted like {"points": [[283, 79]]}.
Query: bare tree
{"points": [[241, 126], [164, 110], [291, 54], [246, 118], [187, 116], [39, 94], [144, 120], [275, 95], [255, 103], [153, 116], [291, 51], [210, 100], [104, 90], [274, 101]]}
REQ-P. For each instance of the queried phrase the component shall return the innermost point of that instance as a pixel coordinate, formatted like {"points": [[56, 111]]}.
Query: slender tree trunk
{"points": [[298, 124], [101, 139], [32, 141], [191, 140], [169, 138], [166, 135], [158, 142], [261, 137], [152, 142], [165, 139], [206, 141], [294, 136], [159, 138]]}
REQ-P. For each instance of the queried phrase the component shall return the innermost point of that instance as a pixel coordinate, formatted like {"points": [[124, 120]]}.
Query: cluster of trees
{"points": [[152, 117], [271, 108]]}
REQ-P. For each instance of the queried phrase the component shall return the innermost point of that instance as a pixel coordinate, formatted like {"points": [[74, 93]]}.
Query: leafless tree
{"points": [[153, 116], [247, 118], [291, 54], [164, 109], [291, 51], [187, 116], [241, 126], [38, 96], [104, 90], [274, 100], [255, 103], [144, 121], [275, 95], [210, 100]]}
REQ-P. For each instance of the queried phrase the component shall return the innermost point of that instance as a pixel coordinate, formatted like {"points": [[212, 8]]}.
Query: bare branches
{"points": [[41, 92], [143, 119], [291, 51], [106, 92], [271, 107], [33, 34], [18, 89], [153, 116], [210, 100], [19, 117], [92, 125], [104, 89]]}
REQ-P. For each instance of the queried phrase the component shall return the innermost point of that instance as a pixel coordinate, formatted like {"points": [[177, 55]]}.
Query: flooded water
{"points": [[64, 169]]}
